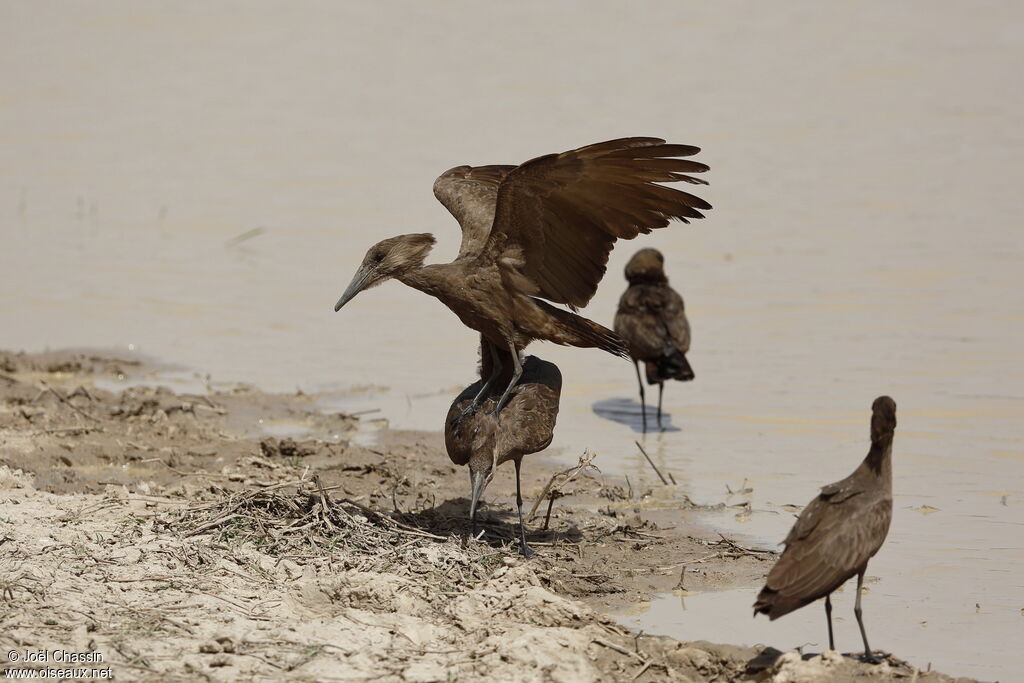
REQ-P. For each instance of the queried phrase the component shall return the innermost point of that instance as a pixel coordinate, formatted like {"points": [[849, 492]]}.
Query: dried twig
{"points": [[68, 403], [560, 479], [653, 466], [643, 668], [66, 430], [742, 549], [618, 648]]}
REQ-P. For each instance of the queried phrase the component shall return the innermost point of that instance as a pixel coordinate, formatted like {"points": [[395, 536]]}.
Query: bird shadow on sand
{"points": [[764, 660], [626, 411], [500, 525], [768, 658]]}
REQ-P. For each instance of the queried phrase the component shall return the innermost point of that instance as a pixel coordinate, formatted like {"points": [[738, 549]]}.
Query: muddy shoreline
{"points": [[171, 533]]}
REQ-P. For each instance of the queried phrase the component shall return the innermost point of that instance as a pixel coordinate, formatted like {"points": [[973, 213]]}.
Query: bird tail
{"points": [[672, 364], [764, 602], [775, 604], [575, 330]]}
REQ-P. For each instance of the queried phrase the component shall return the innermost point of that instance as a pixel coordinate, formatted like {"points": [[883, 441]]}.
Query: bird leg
{"points": [[868, 655], [661, 388], [643, 404], [523, 547], [488, 383], [828, 615], [517, 372]]}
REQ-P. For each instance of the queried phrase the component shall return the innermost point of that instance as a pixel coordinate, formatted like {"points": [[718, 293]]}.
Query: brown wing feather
{"points": [[830, 543], [470, 193], [528, 421], [561, 213], [675, 321]]}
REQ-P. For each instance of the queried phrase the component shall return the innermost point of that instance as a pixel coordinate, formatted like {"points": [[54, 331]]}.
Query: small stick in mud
{"points": [[68, 403], [360, 413], [547, 515], [325, 506], [618, 648], [742, 550], [245, 236], [560, 479], [653, 466]]}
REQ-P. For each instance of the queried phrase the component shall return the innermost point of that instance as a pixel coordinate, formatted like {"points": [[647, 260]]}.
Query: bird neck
{"points": [[879, 459], [422, 278]]}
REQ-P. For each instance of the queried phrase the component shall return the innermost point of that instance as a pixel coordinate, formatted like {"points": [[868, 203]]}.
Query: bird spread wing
{"points": [[470, 194], [836, 548], [558, 216]]}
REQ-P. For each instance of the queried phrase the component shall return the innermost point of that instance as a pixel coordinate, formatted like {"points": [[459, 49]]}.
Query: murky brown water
{"points": [[866, 164]]}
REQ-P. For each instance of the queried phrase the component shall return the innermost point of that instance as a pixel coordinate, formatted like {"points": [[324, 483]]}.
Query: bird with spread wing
{"points": [[537, 233]]}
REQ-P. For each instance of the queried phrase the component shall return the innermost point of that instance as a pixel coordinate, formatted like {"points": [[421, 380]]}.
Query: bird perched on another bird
{"points": [[474, 436], [536, 233], [837, 533], [652, 320]]}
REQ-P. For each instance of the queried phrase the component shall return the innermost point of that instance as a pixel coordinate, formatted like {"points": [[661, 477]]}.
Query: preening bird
{"points": [[474, 436], [652, 321], [537, 233], [837, 533]]}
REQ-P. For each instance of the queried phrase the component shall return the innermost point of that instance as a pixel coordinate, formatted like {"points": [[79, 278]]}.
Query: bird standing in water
{"points": [[536, 233], [475, 437], [837, 533], [652, 321]]}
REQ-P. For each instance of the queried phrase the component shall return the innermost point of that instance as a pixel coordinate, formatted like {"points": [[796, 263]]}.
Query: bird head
{"points": [[647, 265], [883, 419], [386, 260]]}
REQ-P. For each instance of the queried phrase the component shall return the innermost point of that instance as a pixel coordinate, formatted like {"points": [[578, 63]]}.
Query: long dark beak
{"points": [[357, 285], [479, 481]]}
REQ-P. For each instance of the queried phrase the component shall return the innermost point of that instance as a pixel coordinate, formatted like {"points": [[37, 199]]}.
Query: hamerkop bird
{"points": [[652, 321], [837, 533], [474, 436], [536, 233]]}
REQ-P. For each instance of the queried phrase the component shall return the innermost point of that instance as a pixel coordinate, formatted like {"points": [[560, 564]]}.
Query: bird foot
{"points": [[525, 550], [875, 657], [468, 410]]}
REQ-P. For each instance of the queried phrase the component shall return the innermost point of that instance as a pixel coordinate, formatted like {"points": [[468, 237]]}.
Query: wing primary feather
{"points": [[565, 211]]}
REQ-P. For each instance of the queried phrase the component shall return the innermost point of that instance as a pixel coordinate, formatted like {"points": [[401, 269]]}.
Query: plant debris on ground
{"points": [[165, 532]]}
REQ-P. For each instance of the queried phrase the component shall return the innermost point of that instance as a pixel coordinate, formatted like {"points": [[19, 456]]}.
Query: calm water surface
{"points": [[866, 169]]}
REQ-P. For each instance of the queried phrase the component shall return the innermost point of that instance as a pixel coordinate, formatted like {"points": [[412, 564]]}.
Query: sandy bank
{"points": [[167, 533]]}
